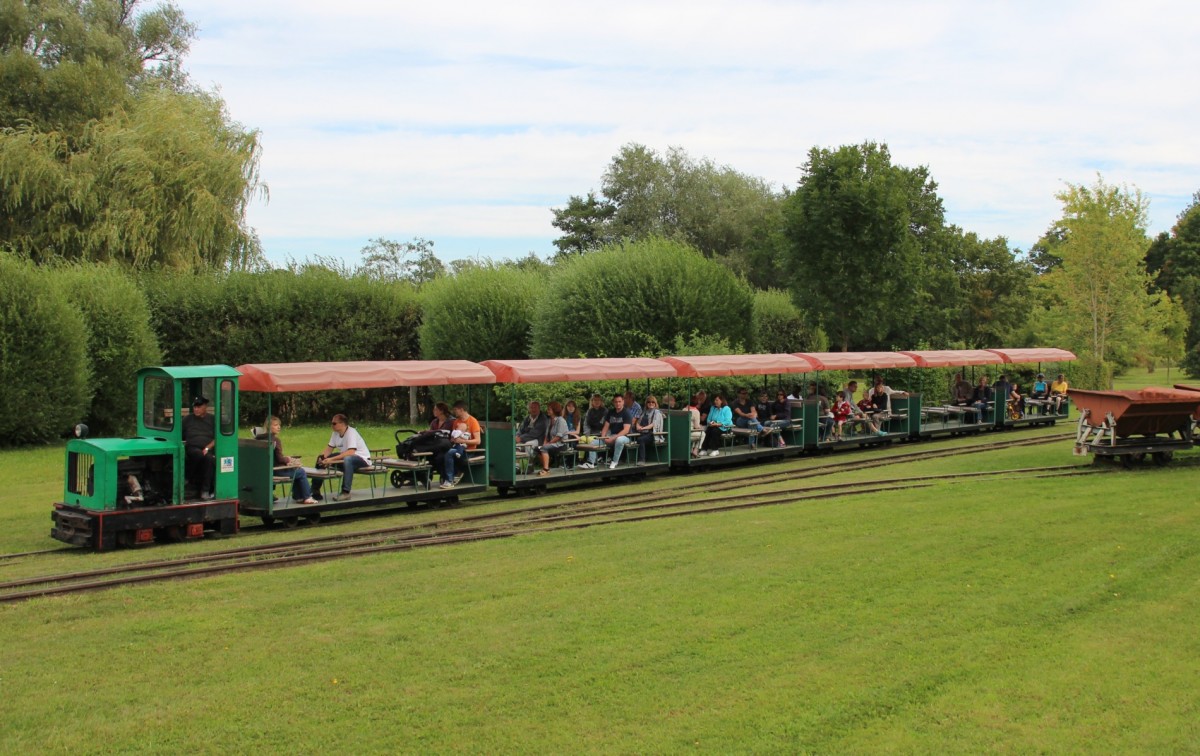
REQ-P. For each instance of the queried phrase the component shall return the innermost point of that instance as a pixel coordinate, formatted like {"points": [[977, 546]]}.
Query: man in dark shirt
{"points": [[532, 431], [199, 437], [617, 425]]}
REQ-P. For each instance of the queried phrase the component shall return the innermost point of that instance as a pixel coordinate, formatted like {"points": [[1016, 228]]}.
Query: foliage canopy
{"points": [[106, 153]]}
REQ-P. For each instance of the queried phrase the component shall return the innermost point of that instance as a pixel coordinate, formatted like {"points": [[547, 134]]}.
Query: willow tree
{"points": [[106, 152]]}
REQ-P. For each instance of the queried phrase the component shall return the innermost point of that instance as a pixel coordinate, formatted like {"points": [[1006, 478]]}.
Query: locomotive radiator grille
{"points": [[82, 478]]}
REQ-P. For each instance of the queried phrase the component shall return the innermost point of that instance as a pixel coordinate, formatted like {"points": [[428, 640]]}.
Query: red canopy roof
{"points": [[1035, 355], [858, 360], [954, 357], [318, 376], [738, 364], [578, 369]]}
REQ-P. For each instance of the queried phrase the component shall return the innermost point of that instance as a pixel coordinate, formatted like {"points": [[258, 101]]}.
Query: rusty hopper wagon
{"points": [[1128, 425]]}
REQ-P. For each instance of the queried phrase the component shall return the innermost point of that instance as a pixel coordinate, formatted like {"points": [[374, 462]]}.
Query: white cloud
{"points": [[402, 119]]}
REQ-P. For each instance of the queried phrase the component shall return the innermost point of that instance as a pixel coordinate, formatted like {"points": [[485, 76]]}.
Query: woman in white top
{"points": [[697, 428]]}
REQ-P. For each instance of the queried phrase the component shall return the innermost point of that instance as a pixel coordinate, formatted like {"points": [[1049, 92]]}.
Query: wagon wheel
{"points": [[1132, 459], [290, 522], [313, 519], [1163, 457], [398, 479], [268, 520]]}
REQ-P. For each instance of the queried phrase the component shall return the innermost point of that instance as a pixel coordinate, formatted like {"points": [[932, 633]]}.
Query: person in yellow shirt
{"points": [[1058, 391]]}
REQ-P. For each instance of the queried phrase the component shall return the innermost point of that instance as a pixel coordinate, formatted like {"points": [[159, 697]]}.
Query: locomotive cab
{"points": [[130, 491]]}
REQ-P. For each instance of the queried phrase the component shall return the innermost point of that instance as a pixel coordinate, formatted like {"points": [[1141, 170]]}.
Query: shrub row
{"points": [[45, 379], [311, 315]]}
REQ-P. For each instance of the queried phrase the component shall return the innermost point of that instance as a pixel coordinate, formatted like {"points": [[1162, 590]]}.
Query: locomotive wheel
{"points": [[1163, 457]]}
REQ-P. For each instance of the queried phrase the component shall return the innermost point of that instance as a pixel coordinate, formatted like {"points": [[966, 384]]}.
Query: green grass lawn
{"points": [[1013, 615], [1136, 378]]}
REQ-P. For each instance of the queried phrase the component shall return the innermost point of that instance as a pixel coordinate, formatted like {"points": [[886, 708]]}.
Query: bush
{"points": [[781, 328], [120, 341], [1090, 374], [44, 377], [311, 314], [482, 313], [635, 299]]}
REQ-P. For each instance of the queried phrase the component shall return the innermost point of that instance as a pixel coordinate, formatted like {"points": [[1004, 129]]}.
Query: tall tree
{"points": [[106, 152], [1174, 261], [1100, 288], [727, 215], [585, 224], [860, 230], [993, 291], [413, 261]]}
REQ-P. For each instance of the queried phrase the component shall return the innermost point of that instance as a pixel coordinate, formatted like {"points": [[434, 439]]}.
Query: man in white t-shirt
{"points": [[345, 448]]}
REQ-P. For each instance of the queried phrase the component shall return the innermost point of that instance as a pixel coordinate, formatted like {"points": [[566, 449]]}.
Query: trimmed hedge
{"points": [[635, 299], [781, 328], [45, 382], [120, 341], [314, 314], [479, 314]]}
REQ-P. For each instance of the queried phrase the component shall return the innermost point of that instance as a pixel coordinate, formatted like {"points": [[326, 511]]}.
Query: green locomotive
{"points": [[132, 491]]}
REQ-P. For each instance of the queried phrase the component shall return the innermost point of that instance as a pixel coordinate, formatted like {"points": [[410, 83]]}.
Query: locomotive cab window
{"points": [[158, 397], [228, 409]]}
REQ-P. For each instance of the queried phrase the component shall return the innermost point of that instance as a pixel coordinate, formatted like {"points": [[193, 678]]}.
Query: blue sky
{"points": [[466, 123]]}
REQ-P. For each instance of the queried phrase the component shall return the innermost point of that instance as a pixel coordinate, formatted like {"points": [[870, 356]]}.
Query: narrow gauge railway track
{"points": [[726, 483], [39, 552], [528, 521]]}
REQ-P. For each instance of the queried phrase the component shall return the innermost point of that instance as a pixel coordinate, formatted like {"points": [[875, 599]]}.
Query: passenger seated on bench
{"points": [[882, 388], [981, 396], [1016, 402], [668, 403], [961, 394], [704, 404], [442, 421], [346, 448], [617, 425], [842, 410], [696, 432], [720, 422], [301, 491], [746, 416], [466, 436], [593, 423], [532, 431], [571, 415], [1058, 391], [1040, 389], [631, 404], [556, 437], [824, 411], [199, 438], [778, 415], [873, 414], [649, 424], [1004, 393]]}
